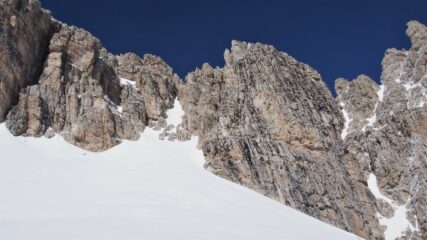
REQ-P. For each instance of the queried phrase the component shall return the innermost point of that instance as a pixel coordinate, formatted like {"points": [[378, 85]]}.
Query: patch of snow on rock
{"points": [[381, 93], [397, 224], [174, 115], [347, 121], [124, 81], [373, 118]]}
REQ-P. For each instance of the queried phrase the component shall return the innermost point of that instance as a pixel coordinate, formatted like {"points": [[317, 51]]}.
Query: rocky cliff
{"points": [[268, 122], [264, 120], [25, 31], [80, 92]]}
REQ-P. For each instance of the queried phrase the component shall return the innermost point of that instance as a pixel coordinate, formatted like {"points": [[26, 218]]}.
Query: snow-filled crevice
{"points": [[174, 115], [372, 120], [347, 121], [396, 225], [124, 81]]}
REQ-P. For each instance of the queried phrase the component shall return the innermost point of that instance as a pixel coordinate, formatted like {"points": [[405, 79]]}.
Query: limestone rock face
{"points": [[81, 96], [264, 120], [25, 31], [268, 122], [393, 145], [359, 99], [154, 80]]}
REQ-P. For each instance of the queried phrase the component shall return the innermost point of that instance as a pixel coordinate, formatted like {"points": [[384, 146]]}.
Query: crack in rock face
{"points": [[264, 120]]}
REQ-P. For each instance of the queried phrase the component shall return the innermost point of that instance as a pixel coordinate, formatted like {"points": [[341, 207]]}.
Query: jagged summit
{"points": [[263, 120], [82, 94], [387, 131], [267, 121], [417, 32]]}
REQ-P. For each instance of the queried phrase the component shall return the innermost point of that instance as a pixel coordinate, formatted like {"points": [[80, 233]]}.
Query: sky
{"points": [[339, 38]]}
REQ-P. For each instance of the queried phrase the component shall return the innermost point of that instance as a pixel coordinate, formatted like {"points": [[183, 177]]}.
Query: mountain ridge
{"points": [[264, 120]]}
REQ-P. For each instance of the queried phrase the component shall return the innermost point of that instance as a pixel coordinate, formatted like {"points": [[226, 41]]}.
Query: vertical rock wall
{"points": [[269, 122], [25, 31]]}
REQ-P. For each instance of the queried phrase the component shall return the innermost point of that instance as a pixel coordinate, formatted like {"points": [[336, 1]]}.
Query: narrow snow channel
{"points": [[373, 118], [397, 224], [124, 81], [147, 189], [347, 121]]}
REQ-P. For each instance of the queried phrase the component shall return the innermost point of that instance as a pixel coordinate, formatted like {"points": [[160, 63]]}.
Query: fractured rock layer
{"points": [[268, 122], [394, 146], [81, 96]]}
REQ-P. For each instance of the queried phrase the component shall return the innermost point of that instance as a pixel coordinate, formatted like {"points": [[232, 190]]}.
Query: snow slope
{"points": [[148, 189]]}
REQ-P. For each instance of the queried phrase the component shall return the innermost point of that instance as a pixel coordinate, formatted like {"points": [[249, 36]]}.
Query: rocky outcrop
{"points": [[268, 122], [393, 145], [154, 79], [81, 96], [25, 31], [358, 99]]}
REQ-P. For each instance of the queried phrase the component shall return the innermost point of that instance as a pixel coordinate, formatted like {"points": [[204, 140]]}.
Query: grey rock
{"points": [[25, 31], [268, 122], [79, 95], [163, 135], [153, 79], [49, 133], [182, 134], [394, 148], [359, 98], [169, 127], [385, 209], [172, 137]]}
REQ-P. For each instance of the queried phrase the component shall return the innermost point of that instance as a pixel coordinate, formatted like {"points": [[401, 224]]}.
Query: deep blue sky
{"points": [[339, 38]]}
